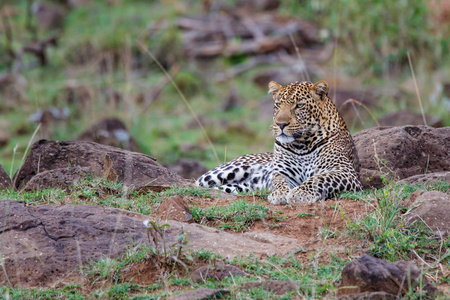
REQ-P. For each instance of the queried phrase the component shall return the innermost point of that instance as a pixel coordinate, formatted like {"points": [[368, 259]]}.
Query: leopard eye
{"points": [[276, 105], [299, 105]]}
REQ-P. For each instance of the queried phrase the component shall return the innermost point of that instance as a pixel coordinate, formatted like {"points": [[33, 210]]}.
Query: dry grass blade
{"points": [[364, 106], [417, 88], [183, 98]]}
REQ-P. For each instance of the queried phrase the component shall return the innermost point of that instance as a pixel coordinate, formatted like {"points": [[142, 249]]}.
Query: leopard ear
{"points": [[320, 88], [274, 87]]}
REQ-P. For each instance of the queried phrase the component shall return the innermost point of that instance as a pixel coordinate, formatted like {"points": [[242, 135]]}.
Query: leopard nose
{"points": [[282, 125]]}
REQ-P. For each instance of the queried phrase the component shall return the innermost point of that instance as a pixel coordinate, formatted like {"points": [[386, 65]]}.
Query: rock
{"points": [[401, 152], [428, 179], [218, 273], [369, 274], [112, 132], [46, 244], [188, 168], [406, 117], [201, 294], [5, 181], [278, 287], [433, 208], [62, 178], [131, 168], [174, 208]]}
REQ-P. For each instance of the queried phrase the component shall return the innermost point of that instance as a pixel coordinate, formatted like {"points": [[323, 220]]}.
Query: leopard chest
{"points": [[296, 168]]}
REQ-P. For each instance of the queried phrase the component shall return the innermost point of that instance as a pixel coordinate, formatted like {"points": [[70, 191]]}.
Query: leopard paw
{"points": [[297, 196], [277, 199]]}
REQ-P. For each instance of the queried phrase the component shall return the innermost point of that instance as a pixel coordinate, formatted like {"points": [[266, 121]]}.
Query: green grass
{"points": [[236, 216], [386, 232], [98, 191]]}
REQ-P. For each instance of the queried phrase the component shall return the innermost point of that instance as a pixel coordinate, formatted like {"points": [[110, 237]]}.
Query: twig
{"points": [[417, 88], [364, 106]]}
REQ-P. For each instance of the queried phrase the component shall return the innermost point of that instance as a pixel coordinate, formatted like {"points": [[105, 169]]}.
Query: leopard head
{"points": [[303, 112]]}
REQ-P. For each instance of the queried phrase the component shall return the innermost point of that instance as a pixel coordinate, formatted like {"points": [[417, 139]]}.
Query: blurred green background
{"points": [[65, 65]]}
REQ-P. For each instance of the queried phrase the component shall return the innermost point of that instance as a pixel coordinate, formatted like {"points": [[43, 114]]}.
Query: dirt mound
{"points": [[401, 152], [130, 168]]}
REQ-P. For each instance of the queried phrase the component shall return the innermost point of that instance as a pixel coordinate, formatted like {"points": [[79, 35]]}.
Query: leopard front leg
{"points": [[323, 186], [280, 190]]}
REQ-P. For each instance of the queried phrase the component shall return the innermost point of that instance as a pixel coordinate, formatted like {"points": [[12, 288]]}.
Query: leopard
{"points": [[314, 156]]}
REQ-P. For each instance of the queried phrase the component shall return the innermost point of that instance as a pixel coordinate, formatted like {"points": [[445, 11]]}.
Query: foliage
{"points": [[236, 216], [389, 234]]}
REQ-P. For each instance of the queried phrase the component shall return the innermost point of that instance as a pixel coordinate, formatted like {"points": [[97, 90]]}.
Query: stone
{"points": [[369, 274], [133, 169], [112, 132], [42, 245], [433, 208], [174, 208], [48, 243], [428, 179], [201, 294], [62, 178], [188, 168], [401, 152], [278, 287], [217, 272], [5, 181]]}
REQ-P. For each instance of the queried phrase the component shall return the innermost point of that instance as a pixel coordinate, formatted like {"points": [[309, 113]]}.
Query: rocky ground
{"points": [[49, 245]]}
